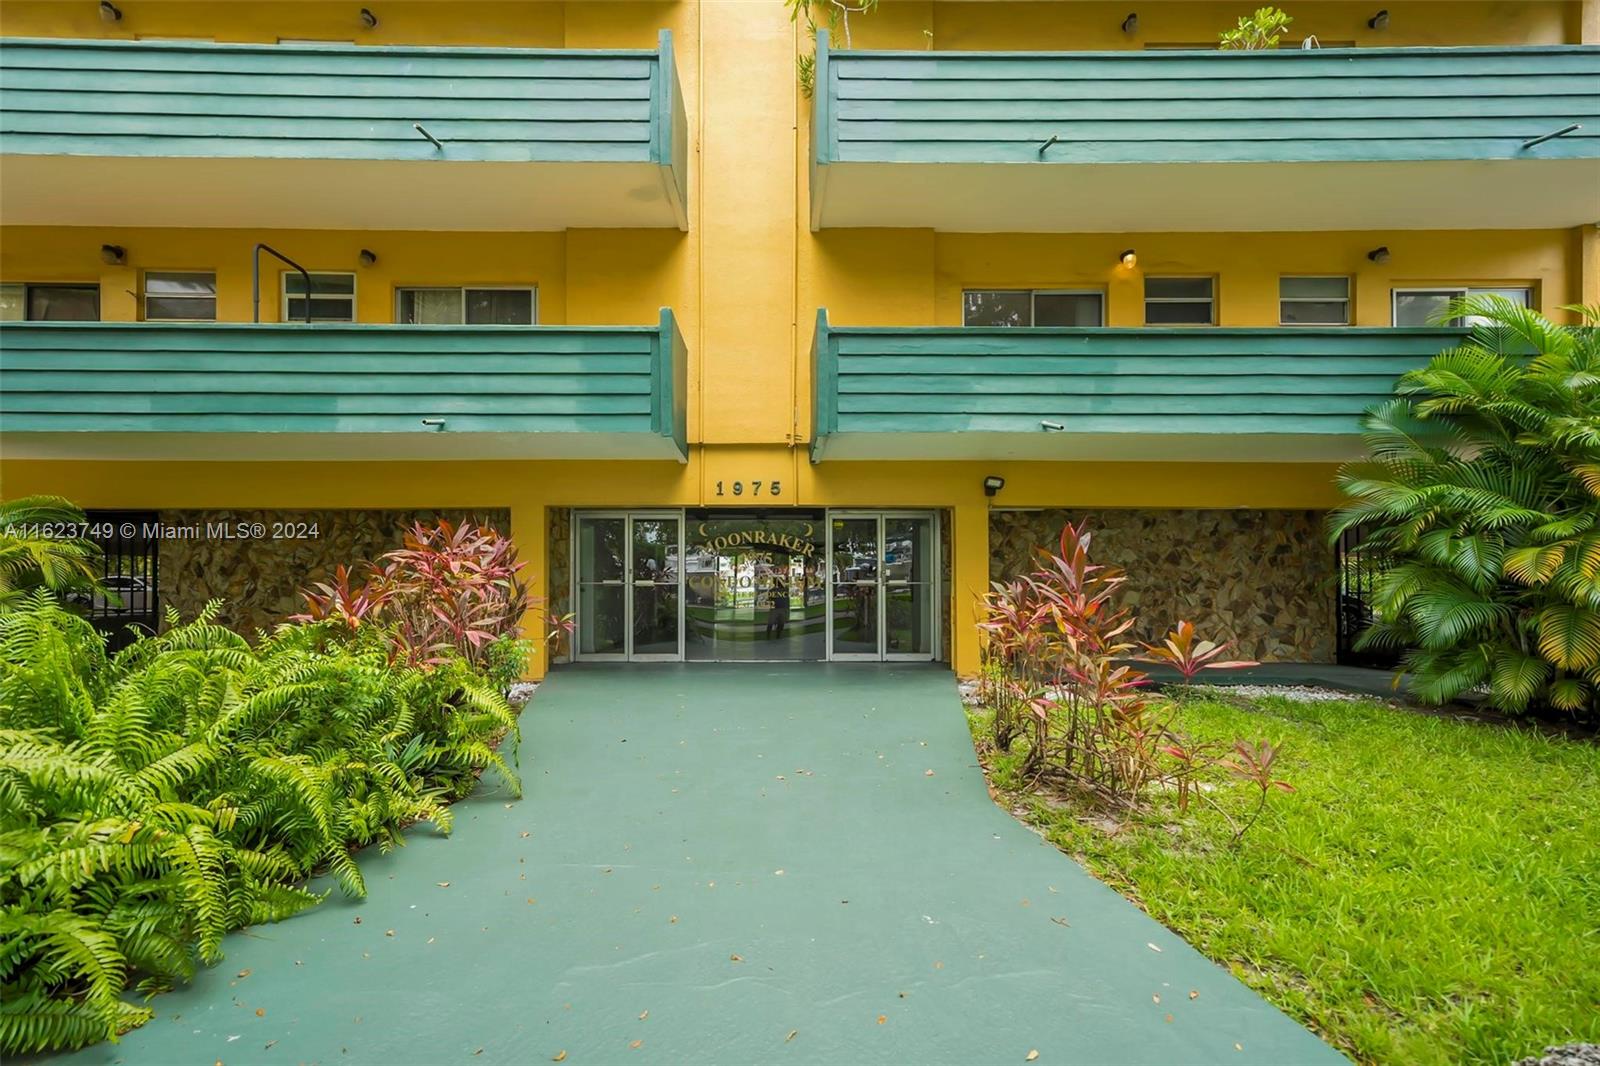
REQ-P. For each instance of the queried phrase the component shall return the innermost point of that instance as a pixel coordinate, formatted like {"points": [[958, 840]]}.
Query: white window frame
{"points": [[1033, 304], [144, 294], [1209, 301], [286, 296], [1349, 294], [1459, 291], [462, 290]]}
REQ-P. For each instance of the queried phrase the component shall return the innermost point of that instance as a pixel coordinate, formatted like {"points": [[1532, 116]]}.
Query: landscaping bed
{"points": [[1429, 892]]}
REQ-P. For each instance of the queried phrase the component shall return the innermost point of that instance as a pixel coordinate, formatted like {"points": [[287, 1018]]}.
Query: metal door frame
{"points": [[883, 654], [628, 584]]}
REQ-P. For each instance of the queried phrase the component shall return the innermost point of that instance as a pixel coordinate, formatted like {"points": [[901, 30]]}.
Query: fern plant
{"points": [[153, 800], [1481, 501]]}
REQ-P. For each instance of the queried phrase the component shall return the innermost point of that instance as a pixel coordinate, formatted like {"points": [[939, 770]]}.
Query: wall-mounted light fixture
{"points": [[1128, 257], [436, 424], [109, 11], [1130, 25], [368, 19], [1379, 254], [368, 257], [113, 254], [1380, 21], [992, 485]]}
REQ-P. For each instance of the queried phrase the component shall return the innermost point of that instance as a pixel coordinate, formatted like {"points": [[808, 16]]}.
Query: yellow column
{"points": [[969, 577], [1586, 286], [530, 525]]}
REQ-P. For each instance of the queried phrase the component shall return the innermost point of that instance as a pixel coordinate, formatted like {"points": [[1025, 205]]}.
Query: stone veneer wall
{"points": [[1262, 579], [259, 580], [560, 564]]}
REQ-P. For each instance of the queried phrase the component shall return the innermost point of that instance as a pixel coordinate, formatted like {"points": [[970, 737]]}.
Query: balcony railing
{"points": [[1084, 132], [1146, 393], [107, 390], [595, 137]]}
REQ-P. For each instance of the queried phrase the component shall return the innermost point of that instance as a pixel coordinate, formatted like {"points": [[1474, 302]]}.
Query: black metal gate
{"points": [[129, 575], [1357, 576]]}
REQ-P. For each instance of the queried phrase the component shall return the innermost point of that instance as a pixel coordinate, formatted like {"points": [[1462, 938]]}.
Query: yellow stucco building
{"points": [[758, 369]]}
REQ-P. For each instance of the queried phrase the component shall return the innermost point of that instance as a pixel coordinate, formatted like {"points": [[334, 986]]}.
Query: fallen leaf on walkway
{"points": [[430, 940], [268, 1045], [1169, 1017], [1155, 999], [1194, 995], [792, 1034], [643, 1016], [735, 958], [1032, 1055], [635, 1044], [1062, 921], [530, 899], [1152, 947], [560, 1056], [480, 1050], [882, 1018], [444, 884], [927, 773], [388, 932], [938, 966], [673, 920], [261, 1012], [244, 973], [1238, 1047], [357, 921], [524, 834], [777, 873]]}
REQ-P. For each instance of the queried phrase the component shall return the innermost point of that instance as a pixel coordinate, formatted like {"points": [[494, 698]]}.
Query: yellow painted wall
{"points": [[746, 280], [1093, 25]]}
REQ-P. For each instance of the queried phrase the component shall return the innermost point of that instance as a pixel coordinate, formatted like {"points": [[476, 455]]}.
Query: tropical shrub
{"points": [[1060, 671], [42, 546], [1256, 32], [1480, 506], [153, 800], [449, 590]]}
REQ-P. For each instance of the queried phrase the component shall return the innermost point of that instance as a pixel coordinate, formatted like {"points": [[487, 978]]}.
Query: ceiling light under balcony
{"points": [[110, 12], [1379, 254], [368, 257], [368, 19], [1380, 21], [113, 254], [1130, 25], [1128, 258]]}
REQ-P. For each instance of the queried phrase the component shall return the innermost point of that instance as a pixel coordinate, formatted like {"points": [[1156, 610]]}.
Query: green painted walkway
{"points": [[725, 864]]}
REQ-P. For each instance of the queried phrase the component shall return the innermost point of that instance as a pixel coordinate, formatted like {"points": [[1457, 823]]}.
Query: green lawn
{"points": [[1430, 893]]}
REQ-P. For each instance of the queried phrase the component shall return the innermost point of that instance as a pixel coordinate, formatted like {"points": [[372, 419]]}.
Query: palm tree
{"points": [[39, 546], [1481, 504]]}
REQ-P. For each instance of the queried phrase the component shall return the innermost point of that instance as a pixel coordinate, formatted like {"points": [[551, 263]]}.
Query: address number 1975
{"points": [[749, 488]]}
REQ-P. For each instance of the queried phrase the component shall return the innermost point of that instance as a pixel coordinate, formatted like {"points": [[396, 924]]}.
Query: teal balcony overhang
{"points": [[1273, 394], [103, 390], [1207, 141], [191, 133]]}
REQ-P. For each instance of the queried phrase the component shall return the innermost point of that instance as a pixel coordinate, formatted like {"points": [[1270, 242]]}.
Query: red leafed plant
{"points": [[448, 590], [1255, 763], [1179, 650], [1057, 670]]}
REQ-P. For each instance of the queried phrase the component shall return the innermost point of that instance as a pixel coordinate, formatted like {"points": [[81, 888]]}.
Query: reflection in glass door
{"points": [[657, 569], [629, 586], [853, 610], [883, 589], [907, 586]]}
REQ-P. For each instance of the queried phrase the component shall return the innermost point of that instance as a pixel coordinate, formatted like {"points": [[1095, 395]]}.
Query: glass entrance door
{"points": [[882, 594], [629, 586]]}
